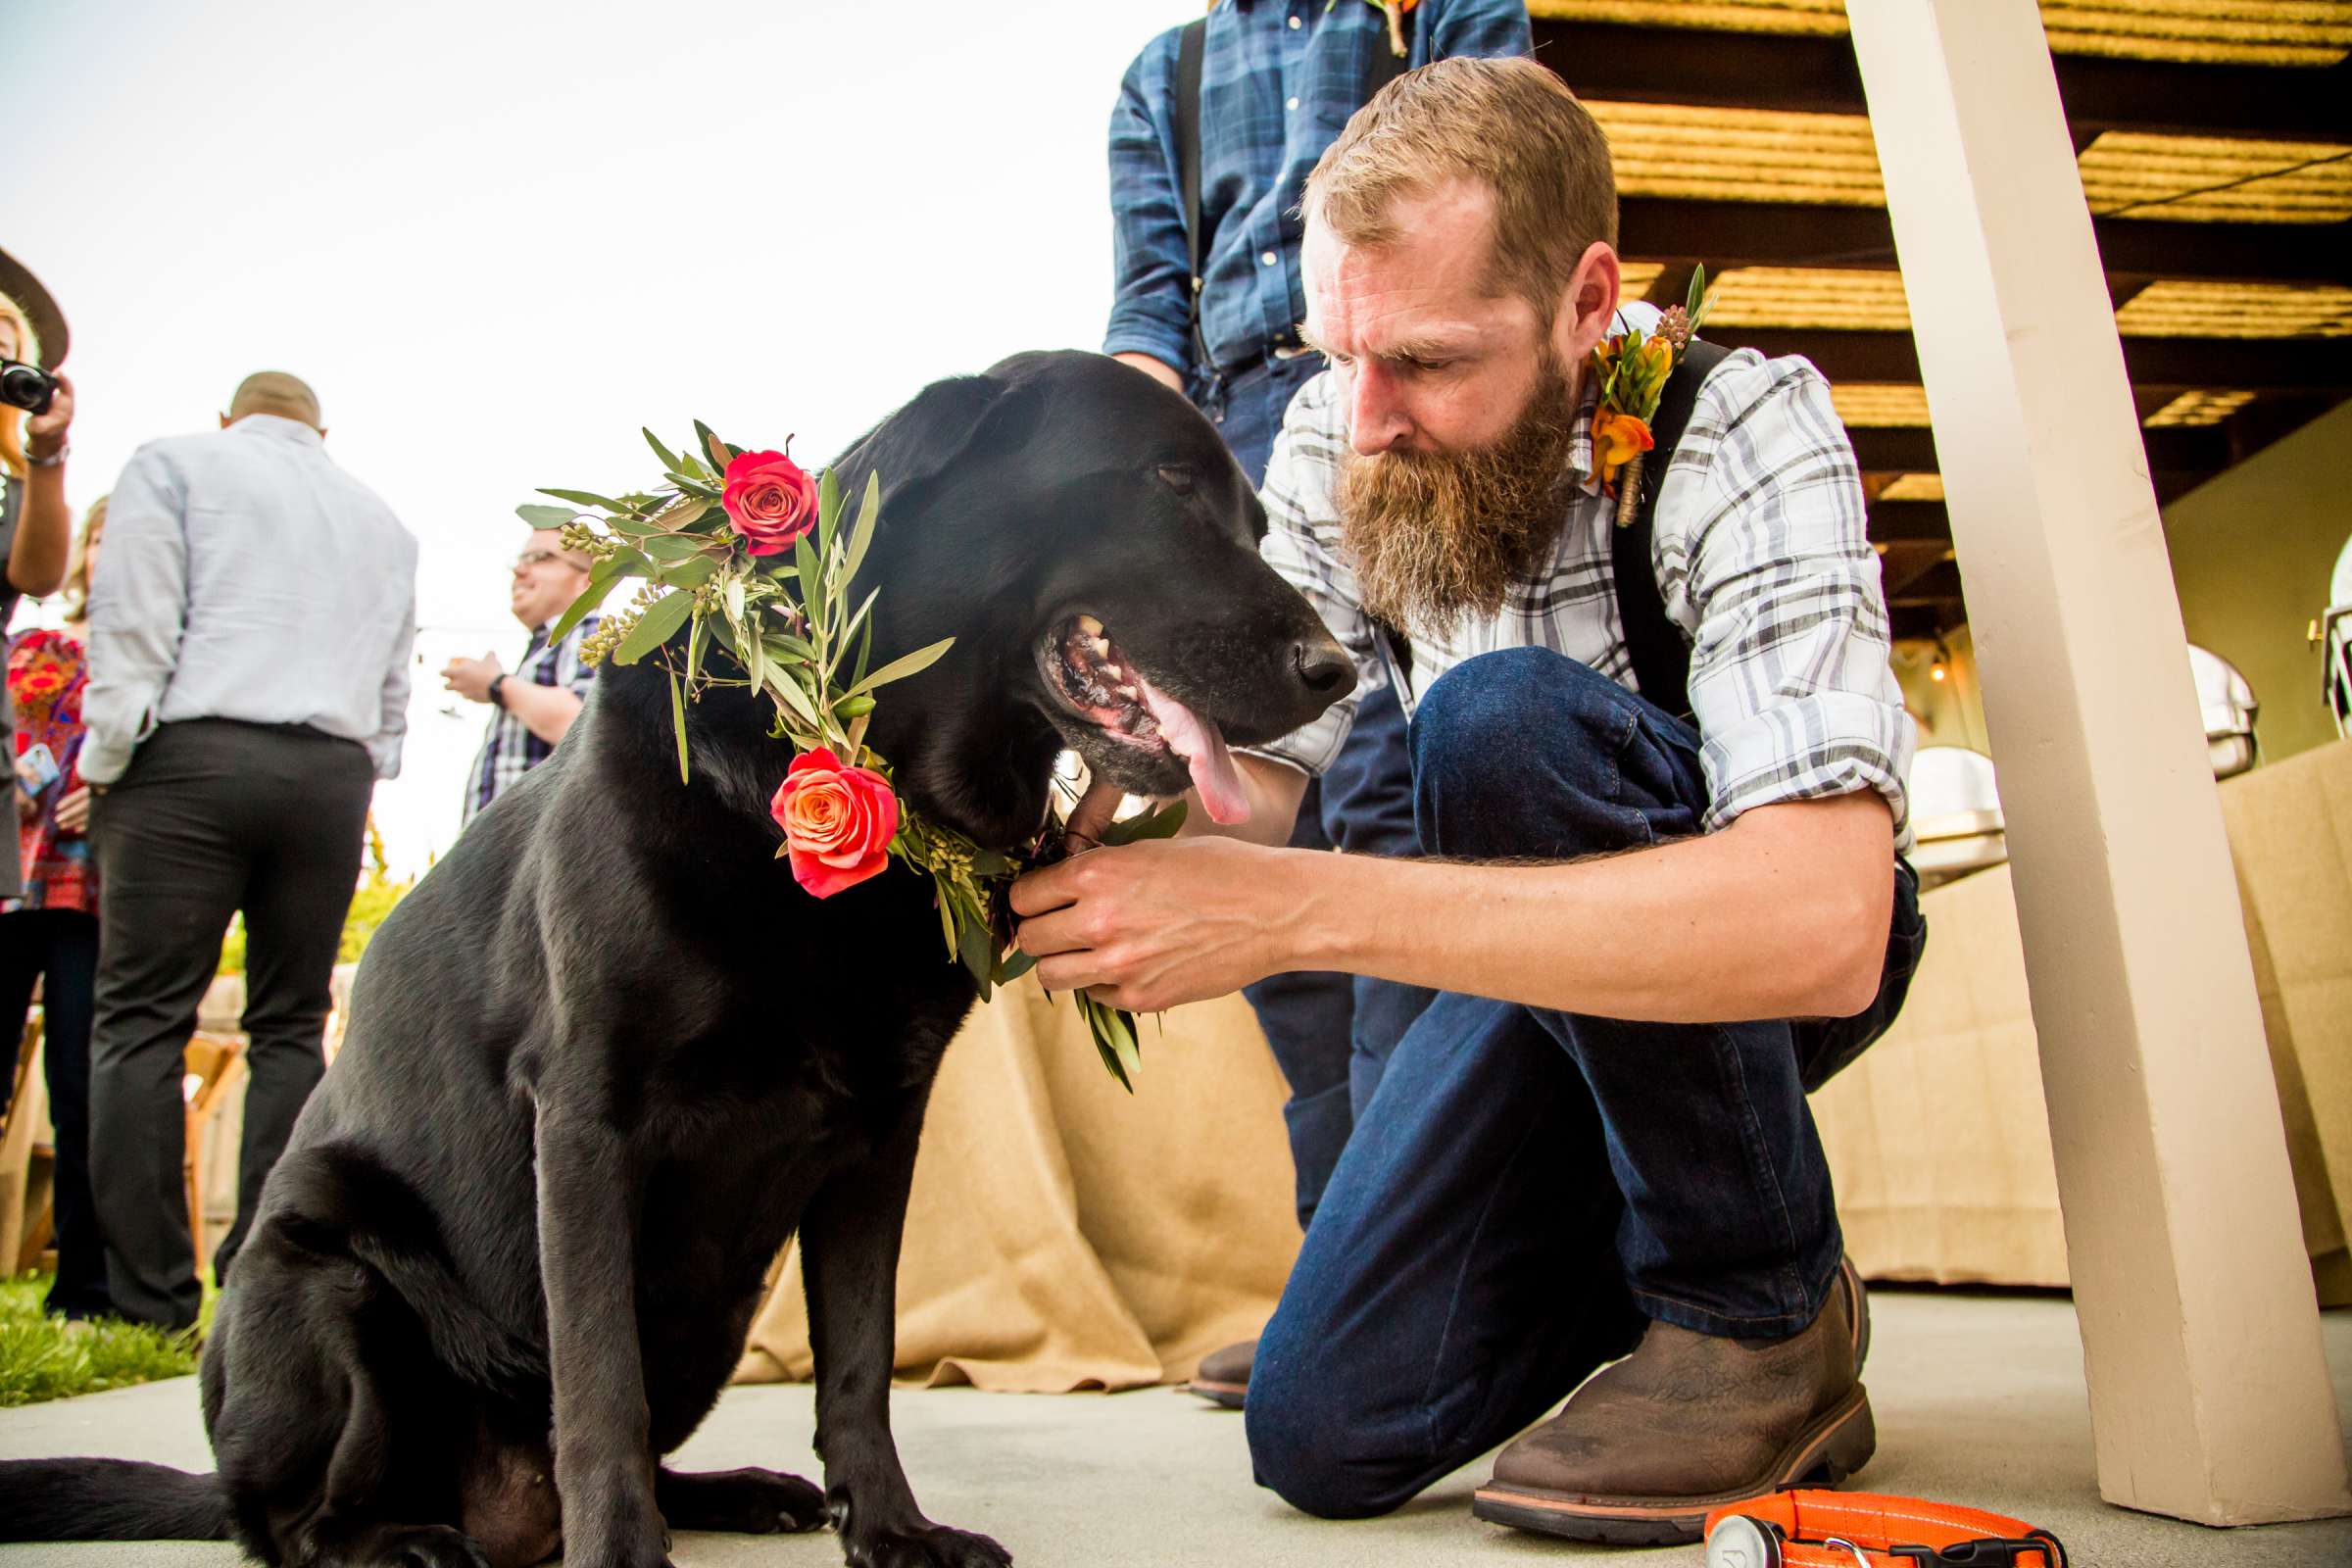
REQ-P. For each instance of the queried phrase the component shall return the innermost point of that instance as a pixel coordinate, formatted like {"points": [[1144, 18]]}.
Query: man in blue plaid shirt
{"points": [[536, 704], [1278, 80], [1652, 934]]}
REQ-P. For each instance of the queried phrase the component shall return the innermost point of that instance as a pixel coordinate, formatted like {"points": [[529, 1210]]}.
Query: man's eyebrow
{"points": [[1403, 351]]}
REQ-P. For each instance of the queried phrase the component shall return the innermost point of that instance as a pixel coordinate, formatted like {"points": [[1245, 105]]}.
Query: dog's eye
{"points": [[1176, 477]]}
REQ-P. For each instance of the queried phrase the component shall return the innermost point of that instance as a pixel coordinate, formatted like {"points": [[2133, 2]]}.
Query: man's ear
{"points": [[1584, 312]]}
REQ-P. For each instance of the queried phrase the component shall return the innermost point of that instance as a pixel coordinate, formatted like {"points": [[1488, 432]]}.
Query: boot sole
{"points": [[1229, 1394], [1831, 1450]]}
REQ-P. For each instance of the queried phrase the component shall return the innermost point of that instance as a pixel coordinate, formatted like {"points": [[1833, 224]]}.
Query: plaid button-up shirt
{"points": [[1278, 81], [1761, 557], [509, 750]]}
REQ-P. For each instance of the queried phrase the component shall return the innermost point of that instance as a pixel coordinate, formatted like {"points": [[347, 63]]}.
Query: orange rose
{"points": [[838, 822]]}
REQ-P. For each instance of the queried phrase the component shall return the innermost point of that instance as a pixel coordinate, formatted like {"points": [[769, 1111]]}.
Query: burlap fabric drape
{"points": [[1063, 1235]]}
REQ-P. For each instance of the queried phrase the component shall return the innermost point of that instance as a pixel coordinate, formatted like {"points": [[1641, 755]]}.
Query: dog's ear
{"points": [[916, 446]]}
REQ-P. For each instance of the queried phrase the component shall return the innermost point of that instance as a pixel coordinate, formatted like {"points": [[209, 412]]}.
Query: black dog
{"points": [[607, 1057]]}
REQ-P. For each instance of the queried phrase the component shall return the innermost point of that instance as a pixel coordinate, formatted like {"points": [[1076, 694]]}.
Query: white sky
{"points": [[498, 238]]}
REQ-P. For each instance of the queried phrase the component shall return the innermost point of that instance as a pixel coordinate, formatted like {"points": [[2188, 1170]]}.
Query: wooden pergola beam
{"points": [[2317, 365], [1818, 75], [1726, 234]]}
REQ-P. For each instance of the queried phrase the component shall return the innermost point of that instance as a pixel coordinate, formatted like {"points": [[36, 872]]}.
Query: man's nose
{"points": [[1376, 420]]}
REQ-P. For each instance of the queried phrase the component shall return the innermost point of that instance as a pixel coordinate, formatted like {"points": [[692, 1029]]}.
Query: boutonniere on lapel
{"points": [[1632, 368], [1395, 11]]}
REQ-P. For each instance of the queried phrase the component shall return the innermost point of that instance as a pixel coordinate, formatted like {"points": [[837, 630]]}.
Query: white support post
{"points": [[2209, 1395]]}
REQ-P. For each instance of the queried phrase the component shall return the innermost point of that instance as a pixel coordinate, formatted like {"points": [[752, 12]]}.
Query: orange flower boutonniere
{"points": [[1632, 368]]}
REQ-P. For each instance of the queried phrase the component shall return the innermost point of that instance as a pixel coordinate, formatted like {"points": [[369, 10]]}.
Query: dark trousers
{"points": [[1523, 1188], [59, 948], [210, 818], [1321, 1025]]}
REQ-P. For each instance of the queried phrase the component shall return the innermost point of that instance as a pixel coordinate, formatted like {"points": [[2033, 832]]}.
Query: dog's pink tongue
{"points": [[1197, 741]]}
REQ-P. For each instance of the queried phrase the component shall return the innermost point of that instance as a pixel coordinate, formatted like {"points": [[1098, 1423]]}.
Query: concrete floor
{"points": [[1978, 1398]]}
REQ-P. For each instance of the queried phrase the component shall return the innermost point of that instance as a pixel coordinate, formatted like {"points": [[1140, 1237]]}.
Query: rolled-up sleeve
{"points": [[1773, 571], [384, 746], [1151, 310], [1302, 546], [138, 613], [1479, 27]]}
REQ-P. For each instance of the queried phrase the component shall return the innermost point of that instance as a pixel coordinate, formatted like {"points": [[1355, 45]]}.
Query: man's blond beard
{"points": [[1434, 536]]}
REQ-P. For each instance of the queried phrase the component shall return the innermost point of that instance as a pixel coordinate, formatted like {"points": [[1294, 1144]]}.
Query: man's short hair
{"points": [[288, 397], [1511, 125]]}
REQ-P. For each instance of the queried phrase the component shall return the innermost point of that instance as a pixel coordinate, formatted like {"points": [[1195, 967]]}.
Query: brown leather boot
{"points": [[1647, 1447], [1223, 1376]]}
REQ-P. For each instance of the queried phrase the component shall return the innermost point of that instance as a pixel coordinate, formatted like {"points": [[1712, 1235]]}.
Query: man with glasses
{"points": [[537, 703]]}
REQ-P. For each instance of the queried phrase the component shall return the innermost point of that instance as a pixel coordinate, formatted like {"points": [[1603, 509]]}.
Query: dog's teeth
{"points": [[1130, 693], [1090, 625], [1102, 648]]}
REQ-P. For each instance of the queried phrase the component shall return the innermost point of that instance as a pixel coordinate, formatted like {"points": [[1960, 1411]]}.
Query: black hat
{"points": [[48, 321]]}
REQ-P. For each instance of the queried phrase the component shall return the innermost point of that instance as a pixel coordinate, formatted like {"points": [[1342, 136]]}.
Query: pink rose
{"points": [[769, 499], [838, 822]]}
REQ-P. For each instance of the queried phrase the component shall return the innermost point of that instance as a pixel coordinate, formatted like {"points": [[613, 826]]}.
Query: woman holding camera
{"points": [[35, 528]]}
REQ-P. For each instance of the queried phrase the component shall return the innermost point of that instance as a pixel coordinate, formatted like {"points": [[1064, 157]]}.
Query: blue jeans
{"points": [[1323, 1026], [1524, 1189]]}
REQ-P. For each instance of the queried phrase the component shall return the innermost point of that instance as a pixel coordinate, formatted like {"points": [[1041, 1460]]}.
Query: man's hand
{"points": [[45, 432], [470, 679], [1149, 925], [73, 809]]}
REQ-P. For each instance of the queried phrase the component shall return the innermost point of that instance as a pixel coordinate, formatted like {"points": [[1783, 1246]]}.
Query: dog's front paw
{"points": [[750, 1501], [924, 1547]]}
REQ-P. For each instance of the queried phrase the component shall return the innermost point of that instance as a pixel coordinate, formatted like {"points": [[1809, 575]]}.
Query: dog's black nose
{"points": [[1324, 668]]}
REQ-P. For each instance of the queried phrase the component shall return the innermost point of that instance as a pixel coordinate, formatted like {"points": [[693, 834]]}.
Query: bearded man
{"points": [[1651, 936]]}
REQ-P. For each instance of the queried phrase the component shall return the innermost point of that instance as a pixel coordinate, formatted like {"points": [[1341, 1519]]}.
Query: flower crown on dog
{"points": [[748, 548]]}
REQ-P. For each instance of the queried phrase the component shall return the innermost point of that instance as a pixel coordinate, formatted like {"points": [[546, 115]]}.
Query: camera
{"points": [[27, 386]]}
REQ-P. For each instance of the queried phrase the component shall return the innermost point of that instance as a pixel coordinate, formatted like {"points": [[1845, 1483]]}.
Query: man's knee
{"points": [[1515, 753], [1310, 1447]]}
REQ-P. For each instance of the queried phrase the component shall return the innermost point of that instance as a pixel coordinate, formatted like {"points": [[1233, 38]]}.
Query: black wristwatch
{"points": [[495, 700]]}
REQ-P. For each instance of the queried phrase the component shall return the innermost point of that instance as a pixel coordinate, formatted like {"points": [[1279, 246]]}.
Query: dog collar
{"points": [[1820, 1528]]}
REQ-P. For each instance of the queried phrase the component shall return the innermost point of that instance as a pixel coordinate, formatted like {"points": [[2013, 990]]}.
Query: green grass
{"points": [[40, 1361]]}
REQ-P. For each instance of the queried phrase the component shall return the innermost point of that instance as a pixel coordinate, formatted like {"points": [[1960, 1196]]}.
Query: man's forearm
{"points": [[1770, 919], [547, 711], [36, 561]]}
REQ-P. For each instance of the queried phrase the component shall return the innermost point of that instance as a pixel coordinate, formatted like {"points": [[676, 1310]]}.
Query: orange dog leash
{"points": [[1819, 1529]]}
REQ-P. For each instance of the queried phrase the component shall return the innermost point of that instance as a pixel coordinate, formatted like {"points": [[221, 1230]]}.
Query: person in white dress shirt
{"points": [[249, 680]]}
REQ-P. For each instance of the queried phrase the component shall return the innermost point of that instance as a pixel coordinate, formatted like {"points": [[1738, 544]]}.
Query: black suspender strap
{"points": [[1190, 44], [1661, 654]]}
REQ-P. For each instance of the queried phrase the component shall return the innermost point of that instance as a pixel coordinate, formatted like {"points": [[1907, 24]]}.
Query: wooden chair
{"points": [[29, 1195], [215, 1064]]}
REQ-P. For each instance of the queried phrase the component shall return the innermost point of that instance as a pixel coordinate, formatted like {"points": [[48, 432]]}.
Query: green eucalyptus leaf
{"points": [[813, 586], [717, 451], [828, 506], [920, 659], [1016, 965], [789, 689], [754, 661], [677, 721], [693, 487], [691, 572], [667, 613], [1161, 824], [696, 644], [590, 597], [946, 921], [861, 537], [672, 547], [545, 517], [585, 498], [669, 459]]}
